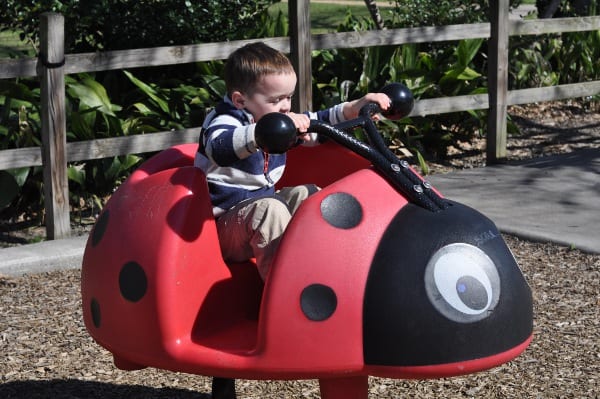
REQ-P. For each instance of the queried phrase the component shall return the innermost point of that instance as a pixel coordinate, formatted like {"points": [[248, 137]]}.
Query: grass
{"points": [[325, 17]]}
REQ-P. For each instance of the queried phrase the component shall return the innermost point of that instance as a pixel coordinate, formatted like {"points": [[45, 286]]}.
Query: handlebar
{"points": [[276, 133]]}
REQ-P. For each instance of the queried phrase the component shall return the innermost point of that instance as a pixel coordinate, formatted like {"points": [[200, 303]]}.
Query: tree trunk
{"points": [[375, 14], [547, 8]]}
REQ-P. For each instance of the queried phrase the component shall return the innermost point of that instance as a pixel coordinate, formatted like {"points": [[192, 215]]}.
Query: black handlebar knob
{"points": [[275, 133], [402, 100]]}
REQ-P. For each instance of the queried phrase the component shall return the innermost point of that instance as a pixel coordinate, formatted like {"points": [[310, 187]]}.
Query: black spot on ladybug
{"points": [[95, 311], [341, 210], [100, 228], [318, 302], [133, 282]]}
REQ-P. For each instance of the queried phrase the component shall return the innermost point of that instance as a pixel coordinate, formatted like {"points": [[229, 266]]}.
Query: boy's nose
{"points": [[286, 106]]}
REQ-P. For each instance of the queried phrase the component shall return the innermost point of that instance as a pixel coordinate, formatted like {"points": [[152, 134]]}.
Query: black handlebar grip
{"points": [[275, 133], [402, 101]]}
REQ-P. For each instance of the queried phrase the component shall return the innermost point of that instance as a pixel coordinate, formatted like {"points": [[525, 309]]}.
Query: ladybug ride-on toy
{"points": [[377, 273]]}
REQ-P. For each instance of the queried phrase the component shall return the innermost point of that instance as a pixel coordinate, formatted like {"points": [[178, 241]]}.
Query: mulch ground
{"points": [[47, 353]]}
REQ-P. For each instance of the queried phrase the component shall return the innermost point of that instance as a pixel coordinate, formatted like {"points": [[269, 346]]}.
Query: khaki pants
{"points": [[253, 228]]}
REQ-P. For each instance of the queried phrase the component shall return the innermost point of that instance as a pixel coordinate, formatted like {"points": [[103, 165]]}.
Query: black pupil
{"points": [[472, 292]]}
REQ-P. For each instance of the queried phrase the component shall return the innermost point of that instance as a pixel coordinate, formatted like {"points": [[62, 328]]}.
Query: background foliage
{"points": [[122, 24], [146, 100]]}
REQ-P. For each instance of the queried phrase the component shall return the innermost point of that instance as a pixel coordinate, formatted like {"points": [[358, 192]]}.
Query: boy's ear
{"points": [[238, 99]]}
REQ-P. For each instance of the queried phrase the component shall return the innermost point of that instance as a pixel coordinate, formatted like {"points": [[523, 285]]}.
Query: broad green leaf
{"points": [[465, 73], [17, 91], [422, 163], [93, 95], [10, 188], [467, 50], [76, 174], [130, 161], [20, 174], [149, 91], [215, 85], [114, 169], [468, 74], [81, 127], [144, 109]]}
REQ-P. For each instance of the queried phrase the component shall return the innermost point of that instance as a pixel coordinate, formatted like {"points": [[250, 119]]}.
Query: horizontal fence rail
{"points": [[110, 147], [159, 56], [101, 148], [297, 45], [124, 59]]}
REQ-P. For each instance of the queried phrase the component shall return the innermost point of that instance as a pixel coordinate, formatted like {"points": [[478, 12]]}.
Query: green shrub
{"points": [[447, 69], [441, 12], [122, 24], [92, 114], [546, 60]]}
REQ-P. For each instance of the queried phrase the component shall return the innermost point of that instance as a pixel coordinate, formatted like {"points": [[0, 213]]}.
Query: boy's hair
{"points": [[248, 64]]}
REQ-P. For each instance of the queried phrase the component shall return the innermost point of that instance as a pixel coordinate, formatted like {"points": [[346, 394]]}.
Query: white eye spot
{"points": [[462, 283]]}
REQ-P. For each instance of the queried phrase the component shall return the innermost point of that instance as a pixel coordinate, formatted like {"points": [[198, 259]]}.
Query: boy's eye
{"points": [[280, 99]]}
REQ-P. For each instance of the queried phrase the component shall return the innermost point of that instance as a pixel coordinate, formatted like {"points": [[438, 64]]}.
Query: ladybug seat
{"points": [[199, 295]]}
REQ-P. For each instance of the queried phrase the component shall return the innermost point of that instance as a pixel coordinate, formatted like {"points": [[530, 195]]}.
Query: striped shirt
{"points": [[233, 164]]}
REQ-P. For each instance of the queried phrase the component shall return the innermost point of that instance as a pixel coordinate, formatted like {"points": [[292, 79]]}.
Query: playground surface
{"points": [[49, 355]]}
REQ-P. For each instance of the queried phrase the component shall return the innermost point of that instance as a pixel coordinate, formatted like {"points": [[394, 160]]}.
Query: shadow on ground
{"points": [[72, 389]]}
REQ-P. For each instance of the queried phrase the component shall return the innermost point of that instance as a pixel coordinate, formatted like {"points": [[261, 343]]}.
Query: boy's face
{"points": [[273, 93]]}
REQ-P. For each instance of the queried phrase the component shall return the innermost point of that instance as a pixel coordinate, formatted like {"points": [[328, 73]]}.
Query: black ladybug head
{"points": [[443, 288]]}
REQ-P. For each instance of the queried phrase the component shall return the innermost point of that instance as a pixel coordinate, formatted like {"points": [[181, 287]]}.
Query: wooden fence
{"points": [[52, 64]]}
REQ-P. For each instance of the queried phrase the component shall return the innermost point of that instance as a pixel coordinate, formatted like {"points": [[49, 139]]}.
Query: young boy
{"points": [[250, 215]]}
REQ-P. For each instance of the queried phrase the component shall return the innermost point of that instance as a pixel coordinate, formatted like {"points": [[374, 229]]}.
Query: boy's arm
{"points": [[352, 108], [331, 116], [226, 140]]}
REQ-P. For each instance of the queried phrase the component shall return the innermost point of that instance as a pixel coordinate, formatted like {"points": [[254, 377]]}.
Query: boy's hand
{"points": [[301, 121], [352, 108]]}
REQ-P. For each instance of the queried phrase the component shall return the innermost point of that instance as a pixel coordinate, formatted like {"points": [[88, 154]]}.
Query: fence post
{"points": [[498, 81], [54, 138], [300, 52]]}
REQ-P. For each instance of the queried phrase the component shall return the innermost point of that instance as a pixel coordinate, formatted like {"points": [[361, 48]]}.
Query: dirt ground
{"points": [[47, 353]]}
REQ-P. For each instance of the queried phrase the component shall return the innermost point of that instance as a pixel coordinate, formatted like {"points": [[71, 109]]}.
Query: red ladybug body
{"points": [[157, 293], [366, 281]]}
